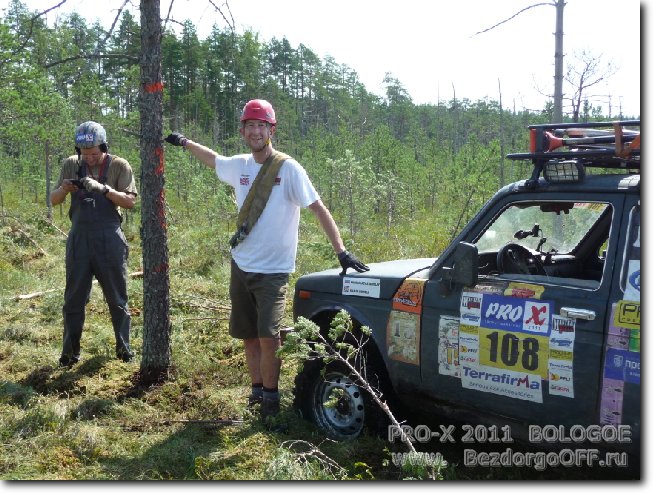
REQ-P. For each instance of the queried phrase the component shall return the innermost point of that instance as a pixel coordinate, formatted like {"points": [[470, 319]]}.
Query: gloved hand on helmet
{"points": [[176, 139], [349, 260], [93, 185]]}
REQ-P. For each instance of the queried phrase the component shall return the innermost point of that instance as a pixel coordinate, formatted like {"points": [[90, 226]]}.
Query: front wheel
{"points": [[335, 402]]}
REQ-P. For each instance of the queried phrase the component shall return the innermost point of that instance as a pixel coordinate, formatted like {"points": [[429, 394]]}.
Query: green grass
{"points": [[94, 421]]}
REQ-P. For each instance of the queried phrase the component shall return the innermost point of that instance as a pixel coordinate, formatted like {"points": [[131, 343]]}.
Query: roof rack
{"points": [[591, 144]]}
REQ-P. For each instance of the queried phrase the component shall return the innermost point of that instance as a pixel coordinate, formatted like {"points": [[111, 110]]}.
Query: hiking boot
{"points": [[269, 408], [126, 356], [254, 401], [66, 361]]}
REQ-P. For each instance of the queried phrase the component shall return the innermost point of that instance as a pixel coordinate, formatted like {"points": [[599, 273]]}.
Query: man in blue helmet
{"points": [[99, 184]]}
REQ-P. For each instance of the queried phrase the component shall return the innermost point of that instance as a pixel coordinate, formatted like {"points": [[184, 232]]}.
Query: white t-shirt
{"points": [[271, 246]]}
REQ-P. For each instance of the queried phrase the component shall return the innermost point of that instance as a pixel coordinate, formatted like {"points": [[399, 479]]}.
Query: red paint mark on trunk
{"points": [[153, 87], [161, 268], [160, 155]]}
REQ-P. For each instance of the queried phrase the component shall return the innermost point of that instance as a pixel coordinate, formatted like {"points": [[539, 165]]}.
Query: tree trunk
{"points": [[48, 176], [155, 362], [558, 63]]}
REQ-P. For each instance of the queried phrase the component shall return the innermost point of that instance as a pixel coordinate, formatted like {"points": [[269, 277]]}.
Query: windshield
{"points": [[563, 224]]}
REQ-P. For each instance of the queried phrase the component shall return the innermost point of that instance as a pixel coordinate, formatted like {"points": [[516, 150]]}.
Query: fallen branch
{"points": [[206, 319], [212, 305], [28, 296], [210, 422], [34, 295], [51, 223], [204, 422]]}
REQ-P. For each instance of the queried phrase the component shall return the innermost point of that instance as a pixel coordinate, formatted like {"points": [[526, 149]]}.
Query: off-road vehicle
{"points": [[529, 321]]}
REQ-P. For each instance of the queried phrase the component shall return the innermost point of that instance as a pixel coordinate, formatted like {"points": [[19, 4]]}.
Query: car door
{"points": [[620, 392], [526, 347]]}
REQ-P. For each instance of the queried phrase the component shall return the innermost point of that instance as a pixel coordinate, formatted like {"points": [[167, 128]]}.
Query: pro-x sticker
{"points": [[361, 287], [515, 314]]}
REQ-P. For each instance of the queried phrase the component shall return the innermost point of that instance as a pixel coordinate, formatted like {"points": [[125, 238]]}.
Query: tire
{"points": [[354, 410]]}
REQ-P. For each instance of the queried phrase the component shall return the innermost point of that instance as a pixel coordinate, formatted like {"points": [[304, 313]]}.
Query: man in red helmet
{"points": [[263, 255]]}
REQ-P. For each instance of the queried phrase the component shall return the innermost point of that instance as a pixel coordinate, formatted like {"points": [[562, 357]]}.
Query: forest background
{"points": [[400, 179]]}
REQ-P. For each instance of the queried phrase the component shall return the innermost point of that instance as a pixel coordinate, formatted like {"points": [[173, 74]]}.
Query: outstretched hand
{"points": [[349, 260], [176, 139]]}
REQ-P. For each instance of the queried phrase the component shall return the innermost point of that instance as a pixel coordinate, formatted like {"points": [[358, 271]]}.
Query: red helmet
{"points": [[258, 109]]}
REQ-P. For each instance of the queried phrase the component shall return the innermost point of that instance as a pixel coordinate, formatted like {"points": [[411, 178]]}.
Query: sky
{"points": [[430, 46]]}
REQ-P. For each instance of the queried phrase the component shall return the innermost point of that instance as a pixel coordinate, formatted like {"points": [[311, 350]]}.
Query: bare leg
{"points": [[270, 364], [253, 359]]}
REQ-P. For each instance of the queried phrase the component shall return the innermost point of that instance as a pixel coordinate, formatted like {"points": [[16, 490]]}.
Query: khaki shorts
{"points": [[258, 302]]}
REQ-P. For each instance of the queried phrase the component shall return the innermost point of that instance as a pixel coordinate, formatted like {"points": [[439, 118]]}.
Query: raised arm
{"points": [[202, 153]]}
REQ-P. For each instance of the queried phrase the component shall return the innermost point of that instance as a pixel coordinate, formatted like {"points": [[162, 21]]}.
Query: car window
{"points": [[547, 241], [553, 226]]}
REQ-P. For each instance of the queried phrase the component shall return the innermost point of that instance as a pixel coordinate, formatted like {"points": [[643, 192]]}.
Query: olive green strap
{"points": [[257, 197]]}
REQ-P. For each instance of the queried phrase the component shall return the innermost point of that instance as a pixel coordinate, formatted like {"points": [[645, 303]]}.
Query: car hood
{"points": [[382, 281]]}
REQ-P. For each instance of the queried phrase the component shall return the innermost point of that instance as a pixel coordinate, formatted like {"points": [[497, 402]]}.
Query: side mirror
{"points": [[466, 264], [465, 267]]}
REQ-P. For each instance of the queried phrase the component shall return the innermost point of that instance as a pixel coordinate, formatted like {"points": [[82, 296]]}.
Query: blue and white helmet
{"points": [[89, 135]]}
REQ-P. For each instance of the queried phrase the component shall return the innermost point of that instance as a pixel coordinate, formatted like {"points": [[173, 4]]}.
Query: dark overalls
{"points": [[97, 247]]}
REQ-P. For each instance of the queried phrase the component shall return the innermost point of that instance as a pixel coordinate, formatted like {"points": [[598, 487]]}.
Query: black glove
{"points": [[176, 139], [348, 260], [93, 185]]}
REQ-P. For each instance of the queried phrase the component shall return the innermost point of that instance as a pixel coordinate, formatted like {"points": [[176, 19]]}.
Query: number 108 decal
{"points": [[520, 352]]}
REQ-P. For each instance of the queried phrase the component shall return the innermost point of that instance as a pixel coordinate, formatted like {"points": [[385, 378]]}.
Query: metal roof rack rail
{"points": [[589, 144]]}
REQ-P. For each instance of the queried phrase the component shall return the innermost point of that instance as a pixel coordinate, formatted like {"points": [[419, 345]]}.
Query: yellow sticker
{"points": [[466, 328], [627, 315], [561, 355], [515, 351]]}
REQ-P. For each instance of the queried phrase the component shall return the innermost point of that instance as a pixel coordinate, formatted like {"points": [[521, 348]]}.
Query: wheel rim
{"points": [[346, 416]]}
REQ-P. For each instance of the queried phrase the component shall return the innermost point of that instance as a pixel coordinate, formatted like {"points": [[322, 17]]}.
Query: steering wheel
{"points": [[517, 259]]}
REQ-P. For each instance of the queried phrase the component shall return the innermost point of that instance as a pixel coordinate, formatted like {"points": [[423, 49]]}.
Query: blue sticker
{"points": [[516, 314], [622, 365]]}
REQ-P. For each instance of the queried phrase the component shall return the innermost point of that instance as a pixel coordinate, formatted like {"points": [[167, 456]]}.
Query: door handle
{"points": [[573, 313]]}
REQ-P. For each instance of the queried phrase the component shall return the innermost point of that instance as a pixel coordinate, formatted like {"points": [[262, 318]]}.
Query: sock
{"points": [[270, 394], [257, 390]]}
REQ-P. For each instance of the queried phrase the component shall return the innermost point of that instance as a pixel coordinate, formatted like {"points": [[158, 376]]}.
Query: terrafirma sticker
{"points": [[361, 287]]}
